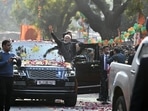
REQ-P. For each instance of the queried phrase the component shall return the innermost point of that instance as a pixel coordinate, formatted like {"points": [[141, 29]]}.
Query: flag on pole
{"points": [[141, 18], [29, 32]]}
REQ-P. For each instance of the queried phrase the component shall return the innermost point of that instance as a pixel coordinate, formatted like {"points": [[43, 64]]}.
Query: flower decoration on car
{"points": [[35, 48], [21, 51]]}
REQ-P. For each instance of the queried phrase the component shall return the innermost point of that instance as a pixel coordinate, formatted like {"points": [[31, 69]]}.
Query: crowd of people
{"points": [[121, 54]]}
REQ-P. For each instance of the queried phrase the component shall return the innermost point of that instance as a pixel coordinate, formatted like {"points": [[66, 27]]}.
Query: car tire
{"points": [[120, 104], [71, 101]]}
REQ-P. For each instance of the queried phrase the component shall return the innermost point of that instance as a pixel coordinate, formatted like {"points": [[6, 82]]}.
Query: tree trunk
{"points": [[107, 26]]}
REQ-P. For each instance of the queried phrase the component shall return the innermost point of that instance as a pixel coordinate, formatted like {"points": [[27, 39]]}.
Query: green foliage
{"points": [[58, 13], [42, 13], [21, 13], [135, 6], [7, 22]]}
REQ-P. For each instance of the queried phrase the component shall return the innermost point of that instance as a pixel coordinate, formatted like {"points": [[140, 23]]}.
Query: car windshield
{"points": [[34, 50]]}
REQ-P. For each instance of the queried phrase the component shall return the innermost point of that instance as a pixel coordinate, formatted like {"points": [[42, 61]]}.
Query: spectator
{"points": [[117, 57], [6, 74], [131, 56]]}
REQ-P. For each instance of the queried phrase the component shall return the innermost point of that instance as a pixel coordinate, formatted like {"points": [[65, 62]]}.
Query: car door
{"points": [[87, 72]]}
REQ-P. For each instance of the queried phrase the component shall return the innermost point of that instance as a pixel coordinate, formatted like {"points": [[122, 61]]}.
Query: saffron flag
{"points": [[29, 32], [141, 18]]}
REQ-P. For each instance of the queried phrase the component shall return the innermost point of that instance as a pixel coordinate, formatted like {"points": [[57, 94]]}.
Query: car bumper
{"points": [[43, 94]]}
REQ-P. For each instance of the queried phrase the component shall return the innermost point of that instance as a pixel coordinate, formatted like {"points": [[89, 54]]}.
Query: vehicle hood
{"points": [[45, 63]]}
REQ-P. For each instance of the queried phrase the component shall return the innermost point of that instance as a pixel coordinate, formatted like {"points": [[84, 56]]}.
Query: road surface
{"points": [[85, 102]]}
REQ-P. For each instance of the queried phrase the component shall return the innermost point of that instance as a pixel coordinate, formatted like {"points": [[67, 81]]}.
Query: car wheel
{"points": [[120, 104], [71, 101]]}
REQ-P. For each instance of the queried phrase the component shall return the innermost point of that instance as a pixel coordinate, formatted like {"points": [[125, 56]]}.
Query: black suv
{"points": [[52, 79]]}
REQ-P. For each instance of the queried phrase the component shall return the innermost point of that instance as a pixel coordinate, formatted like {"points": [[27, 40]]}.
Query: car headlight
{"points": [[22, 73], [70, 73], [15, 70]]}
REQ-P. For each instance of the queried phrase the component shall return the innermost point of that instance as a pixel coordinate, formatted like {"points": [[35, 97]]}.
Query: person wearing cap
{"points": [[57, 48], [67, 48]]}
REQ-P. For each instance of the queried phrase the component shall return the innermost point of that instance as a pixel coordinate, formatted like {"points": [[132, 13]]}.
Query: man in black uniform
{"points": [[103, 95]]}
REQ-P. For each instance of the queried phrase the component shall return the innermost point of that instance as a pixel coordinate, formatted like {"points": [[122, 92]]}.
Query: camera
{"points": [[14, 58]]}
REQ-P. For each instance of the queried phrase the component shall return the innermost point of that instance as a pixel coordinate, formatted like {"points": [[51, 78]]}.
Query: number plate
{"points": [[46, 82]]}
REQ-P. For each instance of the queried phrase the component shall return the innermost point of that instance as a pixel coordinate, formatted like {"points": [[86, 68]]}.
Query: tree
{"points": [[43, 13], [99, 14], [6, 19], [108, 24], [107, 21]]}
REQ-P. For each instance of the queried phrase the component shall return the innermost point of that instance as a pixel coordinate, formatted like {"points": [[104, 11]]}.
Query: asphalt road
{"points": [[85, 102]]}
